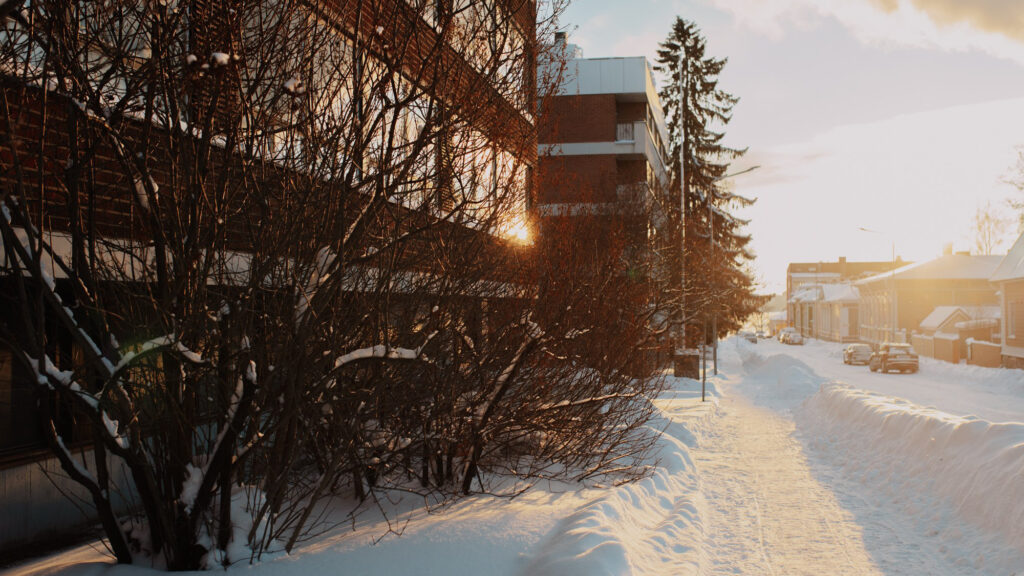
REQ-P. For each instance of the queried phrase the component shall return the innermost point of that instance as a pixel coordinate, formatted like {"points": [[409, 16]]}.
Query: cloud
{"points": [[1004, 17], [992, 26], [917, 177]]}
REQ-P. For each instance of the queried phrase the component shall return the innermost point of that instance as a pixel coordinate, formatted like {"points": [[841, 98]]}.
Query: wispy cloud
{"points": [[992, 26], [918, 178]]}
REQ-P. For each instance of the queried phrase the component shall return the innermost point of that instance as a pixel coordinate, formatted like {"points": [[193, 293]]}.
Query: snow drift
{"points": [[648, 527], [779, 382], [921, 455]]}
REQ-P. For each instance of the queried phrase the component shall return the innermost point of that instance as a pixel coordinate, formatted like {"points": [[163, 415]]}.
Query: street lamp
{"points": [[892, 283]]}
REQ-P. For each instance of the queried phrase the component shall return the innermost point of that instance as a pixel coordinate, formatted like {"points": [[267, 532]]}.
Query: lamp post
{"points": [[892, 283]]}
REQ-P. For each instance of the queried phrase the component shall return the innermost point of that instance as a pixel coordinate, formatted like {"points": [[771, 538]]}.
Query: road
{"points": [[776, 506], [994, 394]]}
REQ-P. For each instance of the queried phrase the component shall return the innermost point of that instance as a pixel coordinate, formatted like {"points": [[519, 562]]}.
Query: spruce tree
{"points": [[715, 248]]}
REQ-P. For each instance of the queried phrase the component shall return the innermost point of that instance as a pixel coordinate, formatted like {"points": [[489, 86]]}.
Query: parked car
{"points": [[894, 357], [760, 334], [795, 338], [785, 333], [749, 337], [857, 354]]}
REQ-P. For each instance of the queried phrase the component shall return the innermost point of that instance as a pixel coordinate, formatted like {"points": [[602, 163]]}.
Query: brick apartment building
{"points": [[602, 159], [47, 130]]}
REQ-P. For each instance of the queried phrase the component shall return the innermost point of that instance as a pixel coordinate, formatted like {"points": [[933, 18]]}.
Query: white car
{"points": [[857, 354]]}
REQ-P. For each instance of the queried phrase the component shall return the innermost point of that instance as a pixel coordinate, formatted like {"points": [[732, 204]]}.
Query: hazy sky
{"points": [[900, 116]]}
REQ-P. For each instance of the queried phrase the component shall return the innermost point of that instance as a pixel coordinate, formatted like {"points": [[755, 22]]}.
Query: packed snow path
{"points": [[766, 513]]}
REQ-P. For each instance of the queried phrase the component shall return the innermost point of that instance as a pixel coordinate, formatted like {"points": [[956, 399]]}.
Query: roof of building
{"points": [[948, 267], [939, 316], [942, 315], [805, 294], [1012, 265], [840, 293]]}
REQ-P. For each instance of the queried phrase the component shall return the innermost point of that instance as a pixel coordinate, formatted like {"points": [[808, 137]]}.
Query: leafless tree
{"points": [[989, 228], [260, 251]]}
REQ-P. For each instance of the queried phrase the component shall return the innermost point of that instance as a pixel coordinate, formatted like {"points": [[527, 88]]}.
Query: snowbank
{"points": [[649, 527], [779, 382], [921, 456]]}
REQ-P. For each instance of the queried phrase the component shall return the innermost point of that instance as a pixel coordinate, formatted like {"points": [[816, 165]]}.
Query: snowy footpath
{"points": [[796, 465]]}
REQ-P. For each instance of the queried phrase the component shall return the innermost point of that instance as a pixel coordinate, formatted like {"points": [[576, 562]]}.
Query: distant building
{"points": [[800, 313], [1008, 278], [828, 311], [894, 304]]}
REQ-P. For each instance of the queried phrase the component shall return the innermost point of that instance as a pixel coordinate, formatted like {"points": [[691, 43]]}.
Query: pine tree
{"points": [[715, 248]]}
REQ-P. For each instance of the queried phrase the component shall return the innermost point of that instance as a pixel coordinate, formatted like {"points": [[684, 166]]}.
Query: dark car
{"points": [[857, 354], [899, 357]]}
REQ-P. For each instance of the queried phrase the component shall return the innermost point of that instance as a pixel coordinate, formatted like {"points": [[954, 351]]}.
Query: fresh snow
{"points": [[797, 464]]}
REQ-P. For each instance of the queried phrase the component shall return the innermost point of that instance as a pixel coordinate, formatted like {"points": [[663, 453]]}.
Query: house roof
{"points": [[942, 314], [949, 267], [1012, 265], [805, 294], [840, 293]]}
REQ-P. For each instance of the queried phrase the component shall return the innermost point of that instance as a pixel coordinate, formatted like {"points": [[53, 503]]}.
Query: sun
{"points": [[518, 231]]}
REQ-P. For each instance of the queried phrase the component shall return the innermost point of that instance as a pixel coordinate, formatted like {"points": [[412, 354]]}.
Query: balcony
{"points": [[625, 131], [635, 138]]}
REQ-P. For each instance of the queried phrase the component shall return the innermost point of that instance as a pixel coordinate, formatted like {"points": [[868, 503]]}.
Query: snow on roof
{"points": [[825, 293], [805, 294], [976, 324], [941, 314], [949, 267], [1012, 265], [814, 275], [840, 293]]}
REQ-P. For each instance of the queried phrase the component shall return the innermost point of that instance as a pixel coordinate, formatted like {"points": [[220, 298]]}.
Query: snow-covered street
{"points": [[797, 465]]}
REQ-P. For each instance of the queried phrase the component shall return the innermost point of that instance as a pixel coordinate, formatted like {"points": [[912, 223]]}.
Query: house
{"points": [[1008, 278], [802, 274], [827, 311], [948, 332], [894, 304]]}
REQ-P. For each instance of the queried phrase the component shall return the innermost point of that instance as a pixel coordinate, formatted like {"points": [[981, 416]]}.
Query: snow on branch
{"points": [[168, 341], [585, 401], [383, 352]]}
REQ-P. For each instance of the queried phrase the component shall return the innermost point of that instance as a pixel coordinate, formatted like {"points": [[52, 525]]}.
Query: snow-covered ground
{"points": [[797, 465]]}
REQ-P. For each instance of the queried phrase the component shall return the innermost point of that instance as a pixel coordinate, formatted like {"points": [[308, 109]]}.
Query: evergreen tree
{"points": [[714, 244]]}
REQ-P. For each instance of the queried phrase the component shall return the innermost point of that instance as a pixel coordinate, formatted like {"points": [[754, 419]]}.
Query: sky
{"points": [[901, 117]]}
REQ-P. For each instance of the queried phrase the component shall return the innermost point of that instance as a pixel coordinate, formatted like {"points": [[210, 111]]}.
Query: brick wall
{"points": [[589, 178], [631, 111], [570, 119]]}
